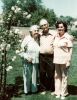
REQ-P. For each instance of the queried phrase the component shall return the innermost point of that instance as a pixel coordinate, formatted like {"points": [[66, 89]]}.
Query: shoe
{"points": [[62, 97], [29, 93], [53, 93], [43, 92], [58, 96]]}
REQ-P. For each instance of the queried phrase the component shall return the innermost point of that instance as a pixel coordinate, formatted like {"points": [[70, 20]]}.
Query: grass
{"points": [[15, 81], [72, 69]]}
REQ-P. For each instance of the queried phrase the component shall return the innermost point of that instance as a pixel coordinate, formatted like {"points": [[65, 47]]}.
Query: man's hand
{"points": [[29, 60]]}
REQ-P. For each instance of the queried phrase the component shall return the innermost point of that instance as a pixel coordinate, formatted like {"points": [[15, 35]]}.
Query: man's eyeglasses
{"points": [[43, 25]]}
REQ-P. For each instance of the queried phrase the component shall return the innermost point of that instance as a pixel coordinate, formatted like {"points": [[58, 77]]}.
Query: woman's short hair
{"points": [[34, 27], [61, 22]]}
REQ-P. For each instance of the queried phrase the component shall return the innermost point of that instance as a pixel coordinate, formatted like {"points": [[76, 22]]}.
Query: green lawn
{"points": [[15, 81]]}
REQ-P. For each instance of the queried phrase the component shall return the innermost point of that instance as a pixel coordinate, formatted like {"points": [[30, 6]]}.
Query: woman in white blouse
{"points": [[62, 56], [30, 55]]}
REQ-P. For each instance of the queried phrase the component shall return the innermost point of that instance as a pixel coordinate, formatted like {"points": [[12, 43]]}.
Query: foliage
{"points": [[33, 7], [74, 33], [43, 13], [68, 19], [9, 39], [27, 6]]}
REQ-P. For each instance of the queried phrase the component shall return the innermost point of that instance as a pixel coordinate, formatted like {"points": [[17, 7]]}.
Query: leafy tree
{"points": [[26, 6], [68, 19], [31, 6], [43, 13]]}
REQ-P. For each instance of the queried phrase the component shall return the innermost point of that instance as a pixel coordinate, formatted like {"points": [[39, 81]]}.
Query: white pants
{"points": [[61, 79], [30, 77]]}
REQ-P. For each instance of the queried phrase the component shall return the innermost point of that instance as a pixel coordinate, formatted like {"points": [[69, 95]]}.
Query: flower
{"points": [[1, 20], [14, 57], [25, 14], [16, 30], [24, 1], [8, 18], [17, 51], [2, 46], [28, 16], [8, 47], [17, 9], [3, 65], [18, 2], [20, 41], [13, 8], [9, 15], [10, 33], [9, 68], [2, 54]]}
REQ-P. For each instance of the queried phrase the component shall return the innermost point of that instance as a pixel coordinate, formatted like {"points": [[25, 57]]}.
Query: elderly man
{"points": [[46, 56], [30, 55]]}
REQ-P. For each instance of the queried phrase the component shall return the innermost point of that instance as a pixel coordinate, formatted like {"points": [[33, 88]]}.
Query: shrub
{"points": [[74, 33]]}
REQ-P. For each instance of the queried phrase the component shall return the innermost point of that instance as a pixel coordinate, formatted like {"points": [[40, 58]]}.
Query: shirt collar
{"points": [[46, 34], [64, 36]]}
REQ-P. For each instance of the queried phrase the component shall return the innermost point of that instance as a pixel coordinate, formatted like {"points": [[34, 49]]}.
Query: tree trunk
{"points": [[3, 72]]}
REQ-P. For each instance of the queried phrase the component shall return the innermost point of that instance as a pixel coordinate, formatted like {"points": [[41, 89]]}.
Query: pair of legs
{"points": [[30, 77], [46, 72], [61, 79]]}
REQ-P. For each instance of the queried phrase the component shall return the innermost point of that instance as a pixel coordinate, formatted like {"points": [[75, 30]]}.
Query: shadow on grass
{"points": [[13, 89], [72, 89], [16, 89]]}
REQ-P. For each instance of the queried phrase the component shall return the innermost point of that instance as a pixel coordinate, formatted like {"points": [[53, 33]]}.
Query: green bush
{"points": [[74, 33]]}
